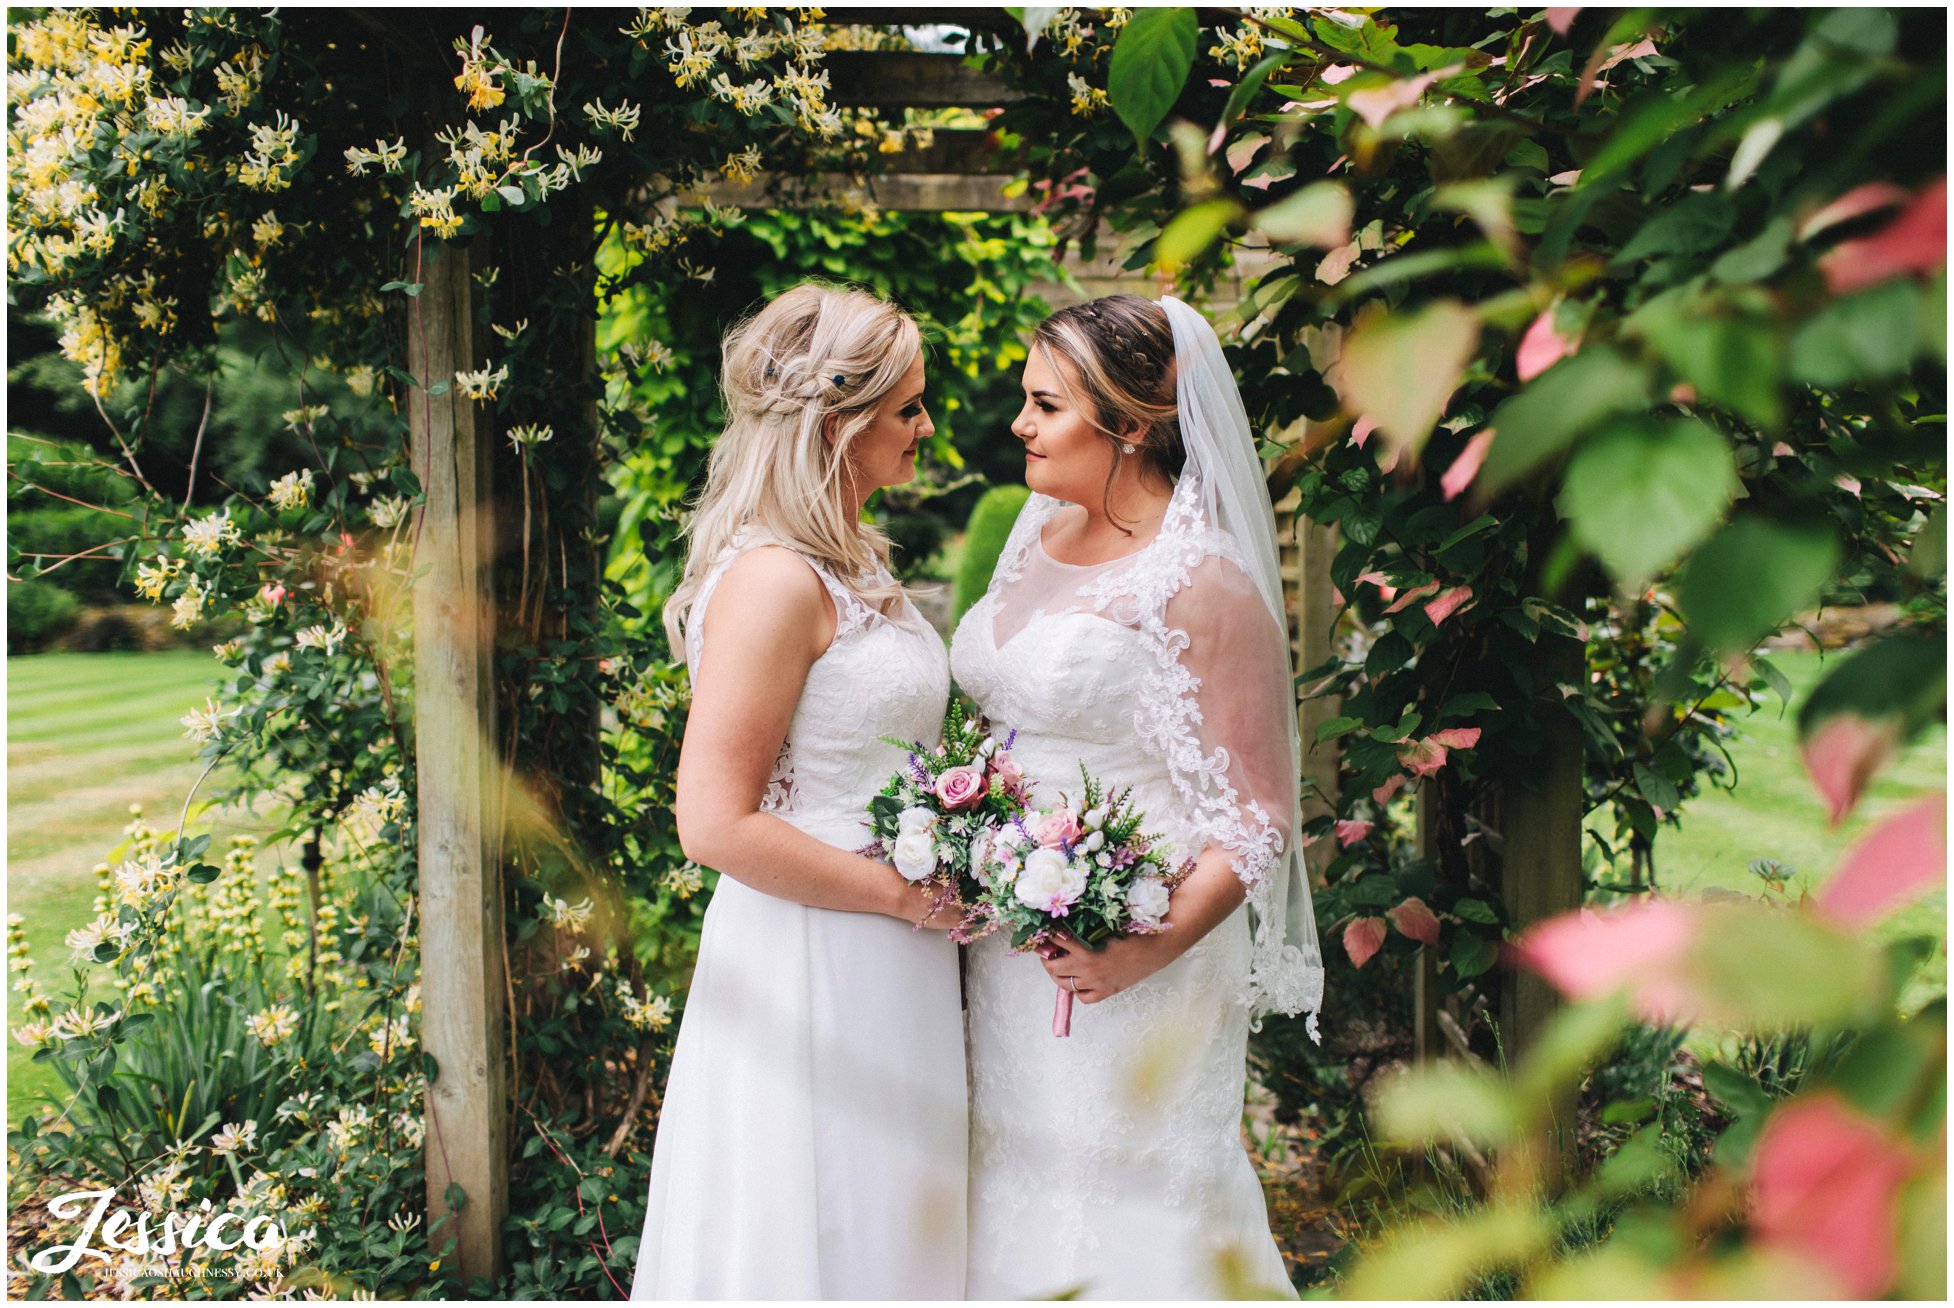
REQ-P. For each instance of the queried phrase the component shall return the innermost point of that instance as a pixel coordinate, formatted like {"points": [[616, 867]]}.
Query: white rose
{"points": [[980, 848], [1146, 900], [913, 820], [915, 855], [1048, 879], [1095, 818]]}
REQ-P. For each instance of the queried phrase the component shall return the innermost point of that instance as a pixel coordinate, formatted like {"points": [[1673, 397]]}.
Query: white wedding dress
{"points": [[1111, 1162], [813, 1138]]}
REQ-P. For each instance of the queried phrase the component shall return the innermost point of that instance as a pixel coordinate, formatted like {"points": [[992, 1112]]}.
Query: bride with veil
{"points": [[1134, 624]]}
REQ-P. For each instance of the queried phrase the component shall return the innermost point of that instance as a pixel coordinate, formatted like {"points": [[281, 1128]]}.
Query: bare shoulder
{"points": [[772, 597]]}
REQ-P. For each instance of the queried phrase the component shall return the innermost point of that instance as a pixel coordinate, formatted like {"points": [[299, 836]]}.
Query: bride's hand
{"points": [[1119, 964]]}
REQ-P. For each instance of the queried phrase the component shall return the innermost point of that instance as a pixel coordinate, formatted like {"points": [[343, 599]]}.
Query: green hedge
{"points": [[990, 526], [37, 611]]}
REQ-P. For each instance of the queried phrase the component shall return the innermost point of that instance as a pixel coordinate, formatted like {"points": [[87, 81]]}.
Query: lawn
{"points": [[1774, 812], [88, 735]]}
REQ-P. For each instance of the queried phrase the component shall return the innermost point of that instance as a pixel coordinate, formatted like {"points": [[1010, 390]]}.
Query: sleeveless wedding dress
{"points": [[813, 1139], [1111, 1162]]}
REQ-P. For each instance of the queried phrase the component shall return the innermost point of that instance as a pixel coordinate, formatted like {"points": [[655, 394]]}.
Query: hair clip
{"points": [[839, 378]]}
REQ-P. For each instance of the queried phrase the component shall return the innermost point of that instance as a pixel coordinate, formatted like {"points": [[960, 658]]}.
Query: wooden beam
{"points": [[907, 193], [463, 974], [900, 79]]}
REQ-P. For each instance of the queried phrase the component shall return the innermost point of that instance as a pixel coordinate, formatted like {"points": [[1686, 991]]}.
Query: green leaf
{"points": [[1401, 368], [1865, 337], [1569, 398], [1693, 224], [1751, 576], [1472, 954], [1642, 491], [1756, 258], [1150, 64], [1448, 1099], [411, 288], [1335, 727], [1659, 790], [1773, 678], [1251, 83], [1193, 230], [1318, 215], [1475, 910]]}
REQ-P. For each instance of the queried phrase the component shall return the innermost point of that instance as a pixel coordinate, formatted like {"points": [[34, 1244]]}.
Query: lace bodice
{"points": [[1163, 670], [881, 676]]}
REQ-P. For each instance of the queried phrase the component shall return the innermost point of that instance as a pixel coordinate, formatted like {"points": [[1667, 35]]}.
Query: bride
{"points": [[1134, 623], [812, 1143]]}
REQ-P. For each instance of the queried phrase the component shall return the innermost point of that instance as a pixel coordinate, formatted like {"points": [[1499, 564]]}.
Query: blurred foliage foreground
{"points": [[1608, 330]]}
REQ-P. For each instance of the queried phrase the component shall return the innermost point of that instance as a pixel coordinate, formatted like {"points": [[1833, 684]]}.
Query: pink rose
{"points": [[1006, 769], [960, 788], [1058, 828]]}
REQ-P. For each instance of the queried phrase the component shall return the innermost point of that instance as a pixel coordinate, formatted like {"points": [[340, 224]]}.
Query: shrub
{"points": [[990, 525], [36, 613]]}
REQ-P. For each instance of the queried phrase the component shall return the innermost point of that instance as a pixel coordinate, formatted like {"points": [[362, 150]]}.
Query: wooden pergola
{"points": [[461, 774]]}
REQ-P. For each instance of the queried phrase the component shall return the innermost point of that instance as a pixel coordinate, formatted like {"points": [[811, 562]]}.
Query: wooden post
{"points": [[1540, 871], [463, 973], [1315, 642]]}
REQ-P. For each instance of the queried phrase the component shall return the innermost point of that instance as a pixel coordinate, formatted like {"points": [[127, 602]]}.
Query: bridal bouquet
{"points": [[1091, 872], [944, 804]]}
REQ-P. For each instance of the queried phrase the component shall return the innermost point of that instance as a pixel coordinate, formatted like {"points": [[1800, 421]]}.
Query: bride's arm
{"points": [[1236, 651], [768, 620]]}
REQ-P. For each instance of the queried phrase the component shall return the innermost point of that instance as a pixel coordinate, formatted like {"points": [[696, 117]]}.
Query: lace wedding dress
{"points": [[813, 1139], [1111, 1162]]}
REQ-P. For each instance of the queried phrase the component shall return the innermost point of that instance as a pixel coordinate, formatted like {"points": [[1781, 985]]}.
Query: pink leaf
{"points": [[1916, 241], [1466, 466], [1842, 755], [1599, 63], [1362, 938], [1827, 1183], [1438, 610], [1335, 266], [1422, 758], [1360, 430], [1542, 347], [1407, 597], [1567, 178], [1587, 955], [1241, 151], [1905, 856], [1336, 73], [1383, 793], [1375, 578], [1415, 920], [1352, 830], [1457, 737], [1856, 203], [1562, 19], [1374, 104]]}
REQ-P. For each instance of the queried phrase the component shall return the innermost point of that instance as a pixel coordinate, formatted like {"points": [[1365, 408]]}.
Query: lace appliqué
{"points": [[1168, 720]]}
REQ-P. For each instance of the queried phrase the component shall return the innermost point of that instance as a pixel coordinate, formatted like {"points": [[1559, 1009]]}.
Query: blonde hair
{"points": [[811, 352], [1121, 348]]}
